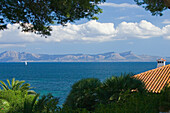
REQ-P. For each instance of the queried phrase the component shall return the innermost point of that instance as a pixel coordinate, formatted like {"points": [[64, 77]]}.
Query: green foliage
{"points": [[84, 94], [38, 15], [67, 109], [165, 99], [47, 104], [122, 94], [4, 106], [156, 7], [21, 102], [18, 96], [88, 93], [112, 88], [29, 104], [17, 85], [135, 103], [16, 99], [141, 103]]}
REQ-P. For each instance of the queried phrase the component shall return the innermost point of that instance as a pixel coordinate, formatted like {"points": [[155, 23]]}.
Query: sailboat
{"points": [[26, 63]]}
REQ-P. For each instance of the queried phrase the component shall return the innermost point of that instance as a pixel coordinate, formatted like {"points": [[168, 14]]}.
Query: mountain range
{"points": [[13, 56]]}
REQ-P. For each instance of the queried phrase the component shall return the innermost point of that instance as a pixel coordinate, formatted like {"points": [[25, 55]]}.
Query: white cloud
{"points": [[123, 5], [12, 45], [142, 30], [12, 34], [166, 21], [91, 31], [166, 31]]}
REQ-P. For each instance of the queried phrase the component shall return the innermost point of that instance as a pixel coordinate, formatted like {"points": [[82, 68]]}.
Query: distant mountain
{"points": [[129, 55], [13, 56]]}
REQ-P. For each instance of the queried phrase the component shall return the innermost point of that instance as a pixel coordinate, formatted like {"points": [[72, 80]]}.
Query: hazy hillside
{"points": [[13, 56]]}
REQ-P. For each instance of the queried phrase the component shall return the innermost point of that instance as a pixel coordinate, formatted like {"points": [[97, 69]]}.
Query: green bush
{"points": [[84, 94], [47, 104], [21, 102], [4, 106], [16, 99], [135, 103], [165, 99], [67, 109], [113, 87], [88, 93]]}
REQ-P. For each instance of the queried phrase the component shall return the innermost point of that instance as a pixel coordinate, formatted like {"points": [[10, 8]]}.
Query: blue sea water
{"points": [[57, 78]]}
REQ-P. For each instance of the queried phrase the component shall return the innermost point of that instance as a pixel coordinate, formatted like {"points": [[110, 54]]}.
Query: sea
{"points": [[57, 78]]}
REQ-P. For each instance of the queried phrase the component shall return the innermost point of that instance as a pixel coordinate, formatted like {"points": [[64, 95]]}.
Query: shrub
{"points": [[165, 99], [113, 87], [4, 106], [84, 94], [16, 99], [135, 103], [47, 104]]}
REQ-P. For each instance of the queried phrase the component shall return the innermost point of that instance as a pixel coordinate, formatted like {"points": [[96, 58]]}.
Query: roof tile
{"points": [[155, 79]]}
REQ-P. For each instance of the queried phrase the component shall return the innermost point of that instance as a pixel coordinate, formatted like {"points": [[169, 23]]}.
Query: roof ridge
{"points": [[168, 65], [155, 79]]}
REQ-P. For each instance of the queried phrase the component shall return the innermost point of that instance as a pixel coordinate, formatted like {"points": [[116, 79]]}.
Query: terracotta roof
{"points": [[155, 79], [161, 59]]}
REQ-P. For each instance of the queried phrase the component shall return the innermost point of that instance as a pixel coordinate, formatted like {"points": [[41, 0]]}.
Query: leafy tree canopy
{"points": [[156, 7], [17, 85], [38, 15]]}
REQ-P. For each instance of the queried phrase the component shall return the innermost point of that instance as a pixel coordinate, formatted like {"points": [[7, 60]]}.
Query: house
{"points": [[156, 79]]}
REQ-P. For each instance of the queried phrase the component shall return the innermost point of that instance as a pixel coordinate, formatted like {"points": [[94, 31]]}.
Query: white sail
{"points": [[25, 62]]}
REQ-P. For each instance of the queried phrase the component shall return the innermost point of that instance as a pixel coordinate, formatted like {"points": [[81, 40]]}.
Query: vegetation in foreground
{"points": [[122, 94]]}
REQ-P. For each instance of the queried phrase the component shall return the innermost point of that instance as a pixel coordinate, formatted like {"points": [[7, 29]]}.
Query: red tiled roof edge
{"points": [[155, 79]]}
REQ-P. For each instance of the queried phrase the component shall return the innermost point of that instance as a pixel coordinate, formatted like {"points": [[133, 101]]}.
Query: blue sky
{"points": [[123, 26]]}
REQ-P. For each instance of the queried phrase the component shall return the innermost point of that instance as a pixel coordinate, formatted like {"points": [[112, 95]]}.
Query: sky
{"points": [[123, 26]]}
